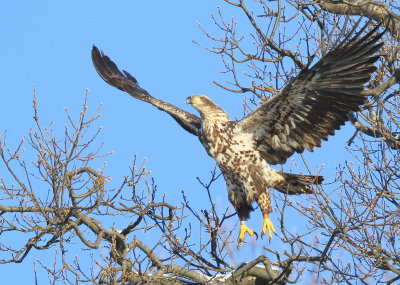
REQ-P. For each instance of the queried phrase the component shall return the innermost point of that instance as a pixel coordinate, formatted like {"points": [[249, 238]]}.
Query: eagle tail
{"points": [[297, 183]]}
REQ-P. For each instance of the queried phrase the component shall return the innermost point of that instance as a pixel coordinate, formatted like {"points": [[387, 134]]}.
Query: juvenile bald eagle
{"points": [[309, 109]]}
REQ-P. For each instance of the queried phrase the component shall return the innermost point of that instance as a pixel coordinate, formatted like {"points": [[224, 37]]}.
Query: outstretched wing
{"points": [[316, 103], [109, 71]]}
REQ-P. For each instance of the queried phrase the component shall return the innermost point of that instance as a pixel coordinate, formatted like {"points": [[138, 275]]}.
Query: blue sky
{"points": [[47, 44]]}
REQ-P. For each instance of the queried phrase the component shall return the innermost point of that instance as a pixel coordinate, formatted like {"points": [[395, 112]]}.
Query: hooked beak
{"points": [[189, 100]]}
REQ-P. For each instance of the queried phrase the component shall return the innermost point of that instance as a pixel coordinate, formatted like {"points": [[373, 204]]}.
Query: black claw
{"points": [[256, 234]]}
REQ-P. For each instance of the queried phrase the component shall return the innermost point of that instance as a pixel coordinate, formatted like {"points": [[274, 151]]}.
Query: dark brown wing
{"points": [[316, 103], [109, 71]]}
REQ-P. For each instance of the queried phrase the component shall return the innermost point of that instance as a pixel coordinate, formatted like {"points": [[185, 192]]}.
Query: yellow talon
{"points": [[267, 225], [243, 230]]}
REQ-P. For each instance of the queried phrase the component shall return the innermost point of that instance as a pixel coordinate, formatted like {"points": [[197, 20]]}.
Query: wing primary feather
{"points": [[317, 102], [124, 81]]}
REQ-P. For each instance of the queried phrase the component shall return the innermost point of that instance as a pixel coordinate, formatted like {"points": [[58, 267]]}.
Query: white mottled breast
{"points": [[245, 171], [231, 148], [220, 137]]}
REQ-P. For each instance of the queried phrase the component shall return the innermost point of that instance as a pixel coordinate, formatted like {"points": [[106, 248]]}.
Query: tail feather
{"points": [[297, 183]]}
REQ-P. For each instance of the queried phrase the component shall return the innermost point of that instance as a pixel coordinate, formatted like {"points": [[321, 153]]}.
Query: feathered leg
{"points": [[265, 204]]}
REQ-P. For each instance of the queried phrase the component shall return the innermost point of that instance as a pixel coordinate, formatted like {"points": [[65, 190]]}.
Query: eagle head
{"points": [[198, 100], [206, 107]]}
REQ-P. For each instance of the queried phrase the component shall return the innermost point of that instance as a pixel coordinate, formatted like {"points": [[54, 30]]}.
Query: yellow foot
{"points": [[243, 230], [267, 225]]}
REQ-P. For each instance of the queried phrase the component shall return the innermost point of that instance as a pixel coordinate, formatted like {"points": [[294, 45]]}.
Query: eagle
{"points": [[310, 108]]}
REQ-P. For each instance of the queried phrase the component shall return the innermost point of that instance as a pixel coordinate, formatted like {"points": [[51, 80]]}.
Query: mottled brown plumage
{"points": [[309, 109]]}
